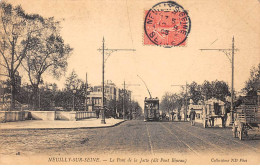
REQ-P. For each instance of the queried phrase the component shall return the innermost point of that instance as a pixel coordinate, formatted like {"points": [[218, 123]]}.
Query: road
{"points": [[130, 137]]}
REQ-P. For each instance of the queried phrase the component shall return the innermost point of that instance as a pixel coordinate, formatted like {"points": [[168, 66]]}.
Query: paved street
{"points": [[131, 137]]}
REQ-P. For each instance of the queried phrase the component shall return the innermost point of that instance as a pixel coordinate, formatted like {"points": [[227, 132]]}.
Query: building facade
{"points": [[94, 98], [114, 98]]}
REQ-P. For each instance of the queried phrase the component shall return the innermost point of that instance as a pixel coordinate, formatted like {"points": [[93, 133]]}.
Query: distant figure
{"points": [[97, 113], [179, 117], [172, 113], [192, 116], [224, 119]]}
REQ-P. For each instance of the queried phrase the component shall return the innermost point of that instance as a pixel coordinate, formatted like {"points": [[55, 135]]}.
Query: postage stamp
{"points": [[166, 24]]}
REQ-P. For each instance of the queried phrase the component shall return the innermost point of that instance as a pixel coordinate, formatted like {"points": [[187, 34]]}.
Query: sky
{"points": [[121, 22]]}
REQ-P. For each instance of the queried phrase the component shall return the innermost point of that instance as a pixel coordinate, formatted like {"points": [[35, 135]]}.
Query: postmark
{"points": [[166, 24]]}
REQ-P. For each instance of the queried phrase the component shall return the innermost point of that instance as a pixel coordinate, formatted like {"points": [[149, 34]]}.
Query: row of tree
{"points": [[52, 98], [31, 43], [195, 92], [207, 90], [115, 107]]}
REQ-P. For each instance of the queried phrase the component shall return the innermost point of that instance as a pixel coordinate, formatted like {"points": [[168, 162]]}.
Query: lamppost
{"points": [[108, 52]]}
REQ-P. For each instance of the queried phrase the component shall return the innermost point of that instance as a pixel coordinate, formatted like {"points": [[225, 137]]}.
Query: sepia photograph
{"points": [[129, 82]]}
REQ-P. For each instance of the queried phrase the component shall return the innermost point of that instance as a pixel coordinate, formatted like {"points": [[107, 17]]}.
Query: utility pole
{"points": [[228, 52], [107, 52], [185, 100], [124, 116]]}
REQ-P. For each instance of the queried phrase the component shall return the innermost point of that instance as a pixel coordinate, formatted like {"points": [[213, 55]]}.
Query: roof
{"points": [[214, 100]]}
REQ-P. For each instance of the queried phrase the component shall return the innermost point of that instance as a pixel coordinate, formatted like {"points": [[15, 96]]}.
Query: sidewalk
{"points": [[60, 124]]}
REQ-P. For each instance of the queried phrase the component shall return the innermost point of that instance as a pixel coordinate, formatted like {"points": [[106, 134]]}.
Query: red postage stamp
{"points": [[166, 24]]}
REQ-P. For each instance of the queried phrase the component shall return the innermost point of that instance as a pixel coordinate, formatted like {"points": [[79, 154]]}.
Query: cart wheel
{"points": [[234, 131], [205, 124]]}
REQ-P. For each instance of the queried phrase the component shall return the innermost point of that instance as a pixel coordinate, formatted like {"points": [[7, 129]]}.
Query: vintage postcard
{"points": [[129, 82]]}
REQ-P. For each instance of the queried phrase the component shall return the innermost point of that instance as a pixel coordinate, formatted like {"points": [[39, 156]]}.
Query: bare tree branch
{"points": [[8, 68], [3, 65], [23, 54], [4, 75], [5, 29]]}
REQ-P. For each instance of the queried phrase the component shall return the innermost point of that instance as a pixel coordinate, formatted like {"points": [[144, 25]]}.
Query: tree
{"points": [[48, 53], [194, 91], [76, 87], [206, 90], [73, 81], [253, 83], [215, 89], [111, 108], [136, 109], [63, 99], [170, 101], [220, 90], [47, 94], [166, 102], [119, 105], [16, 36]]}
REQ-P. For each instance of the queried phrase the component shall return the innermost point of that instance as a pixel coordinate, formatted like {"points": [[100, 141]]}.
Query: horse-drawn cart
{"points": [[212, 110], [247, 117]]}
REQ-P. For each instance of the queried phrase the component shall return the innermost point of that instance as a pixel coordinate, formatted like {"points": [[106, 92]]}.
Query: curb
{"points": [[63, 128]]}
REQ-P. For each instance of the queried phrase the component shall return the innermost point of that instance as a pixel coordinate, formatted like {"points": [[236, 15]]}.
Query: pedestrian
{"points": [[224, 118], [179, 116], [192, 116], [172, 113], [97, 113]]}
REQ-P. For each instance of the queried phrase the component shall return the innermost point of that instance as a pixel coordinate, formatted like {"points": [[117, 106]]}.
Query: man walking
{"points": [[97, 113], [192, 116], [172, 113]]}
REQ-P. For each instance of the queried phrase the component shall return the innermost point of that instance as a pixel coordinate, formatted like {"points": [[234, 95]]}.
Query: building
{"points": [[94, 98], [198, 109], [208, 107], [112, 92]]}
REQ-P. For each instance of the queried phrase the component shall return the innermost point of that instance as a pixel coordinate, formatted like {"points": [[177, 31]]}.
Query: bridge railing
{"points": [[84, 115]]}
